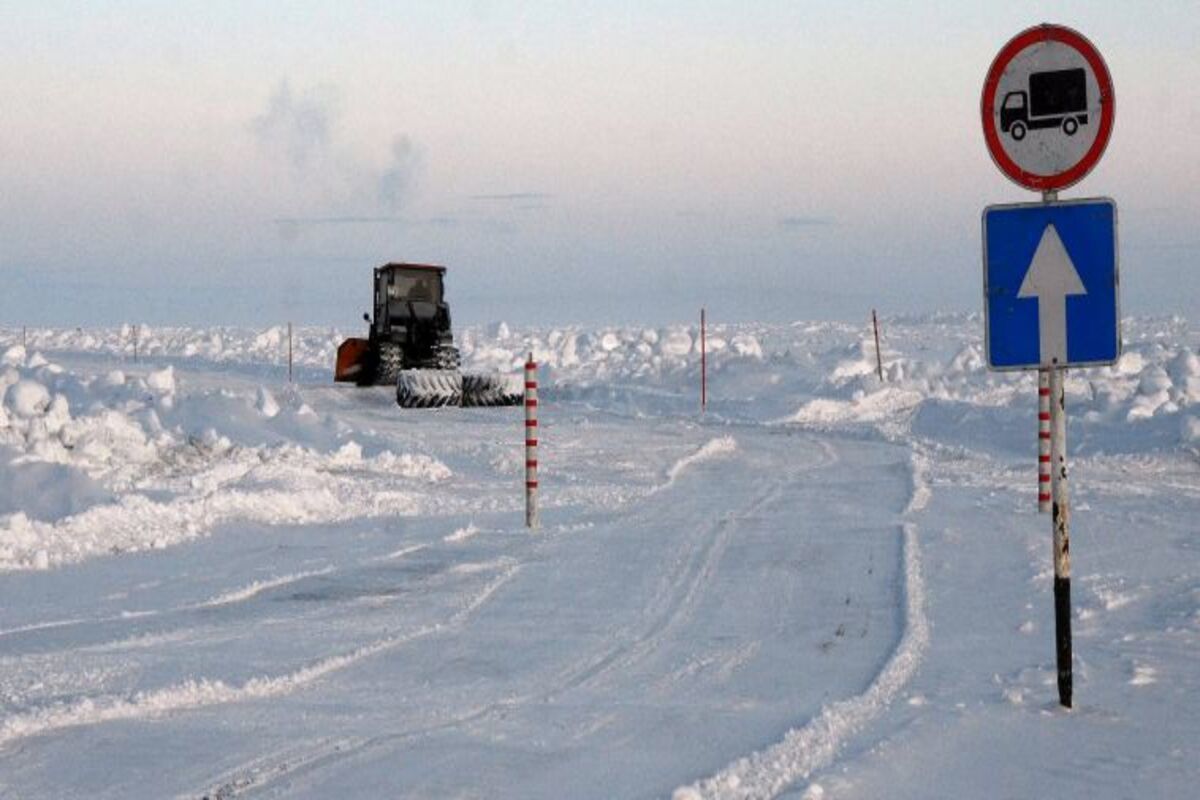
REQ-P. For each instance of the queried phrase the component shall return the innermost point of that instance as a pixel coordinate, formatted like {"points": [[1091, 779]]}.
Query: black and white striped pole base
{"points": [[1061, 519]]}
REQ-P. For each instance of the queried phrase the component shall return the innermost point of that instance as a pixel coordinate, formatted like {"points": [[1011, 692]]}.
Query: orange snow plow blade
{"points": [[351, 355]]}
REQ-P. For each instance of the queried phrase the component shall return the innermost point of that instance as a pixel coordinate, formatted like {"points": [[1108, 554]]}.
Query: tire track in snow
{"points": [[203, 692], [678, 596], [814, 746], [230, 597], [671, 603], [679, 590], [679, 587], [256, 588]]}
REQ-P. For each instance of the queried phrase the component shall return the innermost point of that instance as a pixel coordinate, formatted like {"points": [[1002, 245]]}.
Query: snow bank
{"points": [[93, 465], [936, 383], [311, 347]]}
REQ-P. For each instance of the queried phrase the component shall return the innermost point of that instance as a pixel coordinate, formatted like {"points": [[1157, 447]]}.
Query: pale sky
{"points": [[249, 162]]}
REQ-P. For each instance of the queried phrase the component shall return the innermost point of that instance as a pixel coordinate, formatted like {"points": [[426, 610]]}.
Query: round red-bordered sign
{"points": [[1047, 108]]}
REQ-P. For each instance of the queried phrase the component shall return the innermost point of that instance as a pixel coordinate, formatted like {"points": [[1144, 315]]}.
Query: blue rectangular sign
{"points": [[1050, 284]]}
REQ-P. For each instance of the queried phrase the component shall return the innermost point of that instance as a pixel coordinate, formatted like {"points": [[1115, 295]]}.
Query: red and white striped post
{"points": [[703, 363], [531, 444], [1044, 441]]}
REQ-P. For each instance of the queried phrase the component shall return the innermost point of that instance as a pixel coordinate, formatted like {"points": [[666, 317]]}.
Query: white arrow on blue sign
{"points": [[1050, 284]]}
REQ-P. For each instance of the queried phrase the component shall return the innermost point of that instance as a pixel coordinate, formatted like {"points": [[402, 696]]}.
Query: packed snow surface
{"points": [[221, 584]]}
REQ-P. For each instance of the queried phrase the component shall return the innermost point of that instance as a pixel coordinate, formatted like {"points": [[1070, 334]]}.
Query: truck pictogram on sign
{"points": [[1056, 99]]}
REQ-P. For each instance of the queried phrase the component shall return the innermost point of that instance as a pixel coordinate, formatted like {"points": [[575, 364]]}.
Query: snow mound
{"points": [[27, 398]]}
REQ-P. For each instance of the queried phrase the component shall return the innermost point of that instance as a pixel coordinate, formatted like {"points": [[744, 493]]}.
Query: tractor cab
{"points": [[406, 295], [409, 329]]}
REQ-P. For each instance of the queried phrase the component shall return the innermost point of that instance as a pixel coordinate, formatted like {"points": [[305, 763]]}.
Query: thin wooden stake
{"points": [[703, 363], [878, 353], [289, 352]]}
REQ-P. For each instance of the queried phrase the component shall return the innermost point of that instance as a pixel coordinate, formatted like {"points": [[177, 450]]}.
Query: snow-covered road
{"points": [[340, 659]]}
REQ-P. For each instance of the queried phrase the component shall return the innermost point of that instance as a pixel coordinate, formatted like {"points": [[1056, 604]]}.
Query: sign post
{"points": [[1061, 519], [1050, 279]]}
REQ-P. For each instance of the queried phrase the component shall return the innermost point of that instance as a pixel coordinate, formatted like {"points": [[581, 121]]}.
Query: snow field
{"points": [[201, 445]]}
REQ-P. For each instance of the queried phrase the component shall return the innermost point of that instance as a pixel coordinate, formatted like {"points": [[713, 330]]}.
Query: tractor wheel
{"points": [[445, 356], [391, 362], [429, 388], [492, 390]]}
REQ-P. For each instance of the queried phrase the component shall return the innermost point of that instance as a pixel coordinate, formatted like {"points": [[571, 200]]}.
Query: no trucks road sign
{"points": [[1050, 282], [1047, 108]]}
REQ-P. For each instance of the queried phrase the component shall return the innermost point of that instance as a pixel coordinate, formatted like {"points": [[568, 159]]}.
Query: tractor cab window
{"points": [[415, 286], [1014, 100]]}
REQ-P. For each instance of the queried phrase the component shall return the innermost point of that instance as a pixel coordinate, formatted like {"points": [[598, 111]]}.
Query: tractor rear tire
{"points": [[429, 388], [492, 390]]}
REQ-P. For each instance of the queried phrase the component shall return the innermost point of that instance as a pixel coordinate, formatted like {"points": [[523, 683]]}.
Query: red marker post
{"points": [[1044, 441], [531, 444]]}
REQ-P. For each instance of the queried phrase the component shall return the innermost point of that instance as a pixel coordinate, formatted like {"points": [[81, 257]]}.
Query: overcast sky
{"points": [[240, 162]]}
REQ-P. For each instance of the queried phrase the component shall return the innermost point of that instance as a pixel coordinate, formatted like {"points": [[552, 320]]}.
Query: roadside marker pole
{"points": [[1061, 518], [24, 337], [1043, 441], [135, 344], [289, 352], [878, 353], [531, 444], [703, 363]]}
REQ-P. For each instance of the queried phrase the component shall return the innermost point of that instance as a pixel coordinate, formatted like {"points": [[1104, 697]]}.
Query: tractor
{"points": [[409, 345]]}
